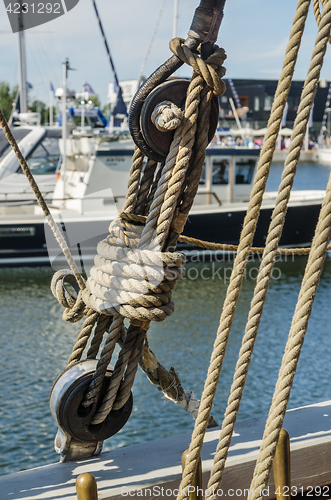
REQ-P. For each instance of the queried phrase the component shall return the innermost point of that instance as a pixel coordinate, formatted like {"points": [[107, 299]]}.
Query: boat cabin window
{"points": [[244, 171], [45, 157], [202, 180], [220, 172], [18, 133]]}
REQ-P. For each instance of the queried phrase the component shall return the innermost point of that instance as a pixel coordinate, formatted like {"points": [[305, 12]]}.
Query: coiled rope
{"points": [[116, 290], [134, 275]]}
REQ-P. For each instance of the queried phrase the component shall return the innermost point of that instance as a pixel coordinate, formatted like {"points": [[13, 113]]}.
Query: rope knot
{"points": [[166, 116], [72, 300], [135, 282], [211, 70]]}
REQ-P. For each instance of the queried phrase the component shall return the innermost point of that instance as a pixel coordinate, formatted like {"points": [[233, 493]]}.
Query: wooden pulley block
{"points": [[173, 90], [67, 395]]}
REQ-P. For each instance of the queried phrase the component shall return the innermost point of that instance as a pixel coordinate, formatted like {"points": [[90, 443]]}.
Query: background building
{"points": [[256, 97], [252, 99]]}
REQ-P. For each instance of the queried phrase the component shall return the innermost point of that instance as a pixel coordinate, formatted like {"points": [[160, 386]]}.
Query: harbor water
{"points": [[36, 343]]}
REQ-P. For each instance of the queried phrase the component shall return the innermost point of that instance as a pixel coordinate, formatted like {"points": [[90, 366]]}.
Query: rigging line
{"points": [[106, 43], [47, 59], [151, 41], [55, 48], [57, 233], [38, 69]]}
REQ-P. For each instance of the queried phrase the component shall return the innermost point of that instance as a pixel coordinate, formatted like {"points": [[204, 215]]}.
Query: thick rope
{"points": [[173, 174], [145, 186], [123, 265], [58, 235], [317, 11], [306, 296], [290, 360], [244, 247], [134, 180], [191, 183], [266, 266], [224, 247]]}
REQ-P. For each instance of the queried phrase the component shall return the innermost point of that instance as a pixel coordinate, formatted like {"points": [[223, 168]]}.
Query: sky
{"points": [[254, 34]]}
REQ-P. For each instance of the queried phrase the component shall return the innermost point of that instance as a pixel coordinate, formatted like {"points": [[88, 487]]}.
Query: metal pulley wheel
{"points": [[67, 395], [154, 143]]}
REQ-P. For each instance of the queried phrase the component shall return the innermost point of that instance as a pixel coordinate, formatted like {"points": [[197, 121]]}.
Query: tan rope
{"points": [[244, 247], [224, 247], [177, 162], [60, 239], [145, 186], [266, 266], [304, 305], [125, 263], [290, 360], [317, 11], [134, 180]]}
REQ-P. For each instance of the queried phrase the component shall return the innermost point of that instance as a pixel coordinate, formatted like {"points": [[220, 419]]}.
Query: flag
{"points": [[28, 85], [88, 88], [52, 88], [120, 107]]}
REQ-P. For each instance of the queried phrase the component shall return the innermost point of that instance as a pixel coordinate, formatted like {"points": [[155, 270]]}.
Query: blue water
{"points": [[35, 344]]}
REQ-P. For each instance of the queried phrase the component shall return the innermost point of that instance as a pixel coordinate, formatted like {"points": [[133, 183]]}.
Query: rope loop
{"points": [[134, 282], [211, 70], [75, 307]]}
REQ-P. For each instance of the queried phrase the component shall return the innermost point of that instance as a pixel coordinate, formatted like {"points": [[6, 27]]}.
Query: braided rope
{"points": [[83, 337], [134, 180], [209, 245], [290, 360], [266, 266], [305, 300], [145, 186], [125, 263], [244, 247], [191, 183], [155, 208], [106, 354], [208, 69], [317, 11], [153, 189], [168, 206], [177, 162], [57, 233]]}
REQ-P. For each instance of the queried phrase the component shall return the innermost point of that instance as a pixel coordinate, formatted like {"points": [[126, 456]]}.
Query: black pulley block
{"points": [[156, 144], [66, 397]]}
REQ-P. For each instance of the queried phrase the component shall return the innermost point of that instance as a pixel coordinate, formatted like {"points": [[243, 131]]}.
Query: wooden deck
{"points": [[144, 469]]}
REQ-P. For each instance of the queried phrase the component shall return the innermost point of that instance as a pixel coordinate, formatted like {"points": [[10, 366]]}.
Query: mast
{"points": [[22, 63], [120, 103], [174, 32], [64, 125]]}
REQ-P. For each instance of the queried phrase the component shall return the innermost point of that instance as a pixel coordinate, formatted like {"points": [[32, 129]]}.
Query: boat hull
{"points": [[225, 227], [24, 243]]}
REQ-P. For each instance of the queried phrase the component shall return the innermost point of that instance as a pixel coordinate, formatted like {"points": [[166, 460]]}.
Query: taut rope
{"points": [[135, 270], [244, 247], [272, 241]]}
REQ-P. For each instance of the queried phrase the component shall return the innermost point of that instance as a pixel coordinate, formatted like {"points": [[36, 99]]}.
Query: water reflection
{"points": [[36, 343]]}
